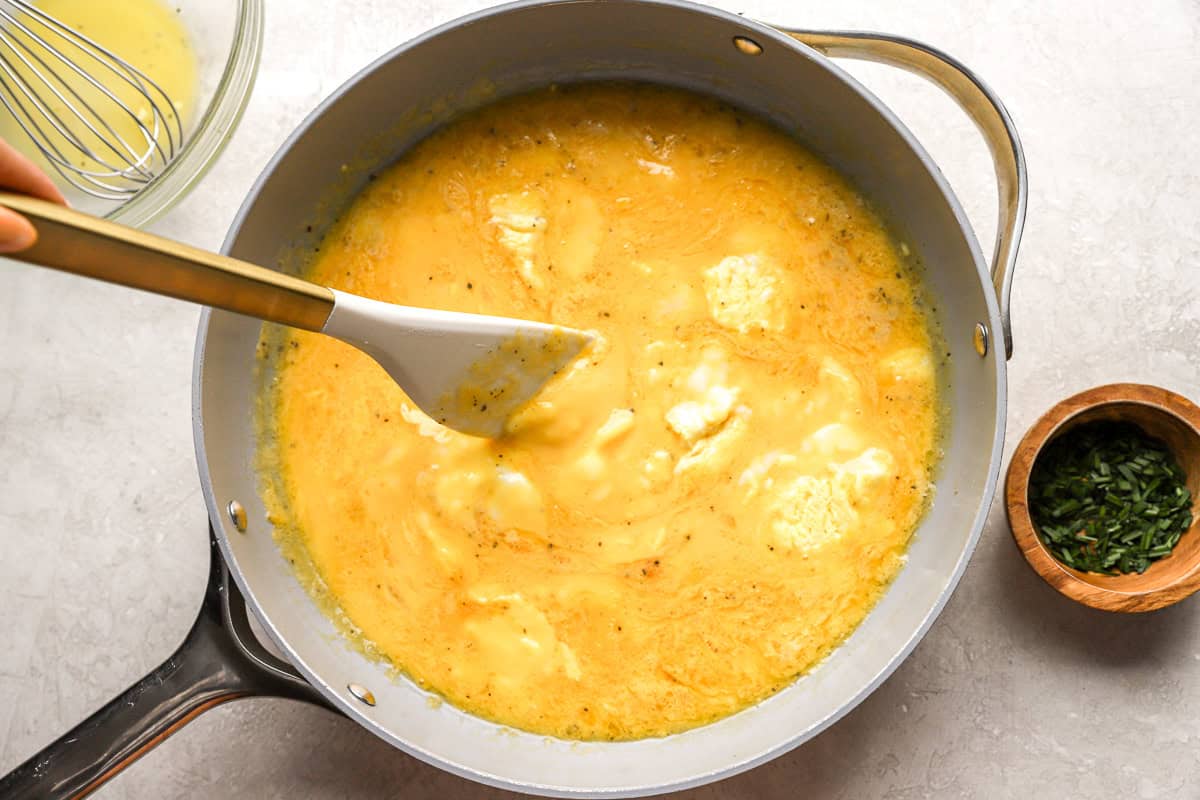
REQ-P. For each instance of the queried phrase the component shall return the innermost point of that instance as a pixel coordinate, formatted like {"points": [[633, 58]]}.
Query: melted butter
{"points": [[693, 513], [146, 33]]}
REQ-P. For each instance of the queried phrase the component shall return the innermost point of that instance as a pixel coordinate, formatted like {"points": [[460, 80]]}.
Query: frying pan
{"points": [[781, 75]]}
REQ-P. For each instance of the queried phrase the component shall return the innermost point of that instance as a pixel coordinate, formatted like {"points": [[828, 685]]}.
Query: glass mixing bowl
{"points": [[227, 37]]}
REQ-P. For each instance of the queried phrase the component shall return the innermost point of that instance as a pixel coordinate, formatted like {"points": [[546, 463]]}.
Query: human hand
{"points": [[19, 174]]}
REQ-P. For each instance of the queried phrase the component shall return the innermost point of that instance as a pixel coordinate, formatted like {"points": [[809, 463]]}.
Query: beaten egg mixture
{"points": [[147, 34], [697, 510]]}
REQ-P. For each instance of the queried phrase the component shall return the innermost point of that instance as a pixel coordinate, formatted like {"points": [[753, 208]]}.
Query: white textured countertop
{"points": [[1015, 691]]}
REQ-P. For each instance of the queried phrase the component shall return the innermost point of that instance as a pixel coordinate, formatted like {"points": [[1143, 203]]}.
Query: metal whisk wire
{"points": [[59, 86]]}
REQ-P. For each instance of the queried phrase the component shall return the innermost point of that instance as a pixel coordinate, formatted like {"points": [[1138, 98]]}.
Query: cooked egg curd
{"points": [[691, 515]]}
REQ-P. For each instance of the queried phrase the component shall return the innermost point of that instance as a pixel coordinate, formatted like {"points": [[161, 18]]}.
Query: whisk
{"points": [[71, 96]]}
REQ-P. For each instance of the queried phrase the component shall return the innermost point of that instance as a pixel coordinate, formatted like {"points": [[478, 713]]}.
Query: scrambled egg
{"points": [[690, 515], [520, 229], [710, 402], [744, 294]]}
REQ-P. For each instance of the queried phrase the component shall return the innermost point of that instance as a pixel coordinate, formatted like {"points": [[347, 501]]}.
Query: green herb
{"points": [[1107, 498]]}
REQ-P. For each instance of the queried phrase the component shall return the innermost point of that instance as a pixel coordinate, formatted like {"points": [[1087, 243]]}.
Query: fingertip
{"points": [[49, 191], [17, 172], [16, 232]]}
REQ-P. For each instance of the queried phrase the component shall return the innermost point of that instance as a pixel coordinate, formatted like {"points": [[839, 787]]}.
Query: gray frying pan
{"points": [[784, 76]]}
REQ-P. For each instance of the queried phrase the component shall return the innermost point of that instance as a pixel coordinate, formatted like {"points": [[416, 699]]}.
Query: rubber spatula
{"points": [[469, 372]]}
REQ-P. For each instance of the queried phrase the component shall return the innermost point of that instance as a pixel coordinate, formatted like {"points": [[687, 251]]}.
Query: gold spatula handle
{"points": [[72, 241]]}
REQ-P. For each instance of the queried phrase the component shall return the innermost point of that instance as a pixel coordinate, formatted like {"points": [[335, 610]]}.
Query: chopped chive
{"points": [[1107, 498]]}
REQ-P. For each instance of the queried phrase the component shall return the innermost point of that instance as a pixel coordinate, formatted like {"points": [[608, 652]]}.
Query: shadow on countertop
{"points": [[349, 762], [1039, 617], [933, 729], [276, 748]]}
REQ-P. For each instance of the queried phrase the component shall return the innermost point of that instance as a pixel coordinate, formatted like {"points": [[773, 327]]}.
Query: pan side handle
{"points": [[220, 660], [985, 110]]}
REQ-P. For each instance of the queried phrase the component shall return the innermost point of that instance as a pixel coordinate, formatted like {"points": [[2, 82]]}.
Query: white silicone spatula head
{"points": [[468, 371]]}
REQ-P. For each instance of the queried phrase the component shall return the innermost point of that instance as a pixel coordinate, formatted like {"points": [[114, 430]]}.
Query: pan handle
{"points": [[220, 660], [982, 106]]}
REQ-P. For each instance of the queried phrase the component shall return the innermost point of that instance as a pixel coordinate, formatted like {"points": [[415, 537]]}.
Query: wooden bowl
{"points": [[1159, 413]]}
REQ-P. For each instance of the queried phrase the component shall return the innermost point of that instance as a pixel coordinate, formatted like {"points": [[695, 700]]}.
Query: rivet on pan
{"points": [[237, 513], [361, 693], [981, 339], [747, 45]]}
